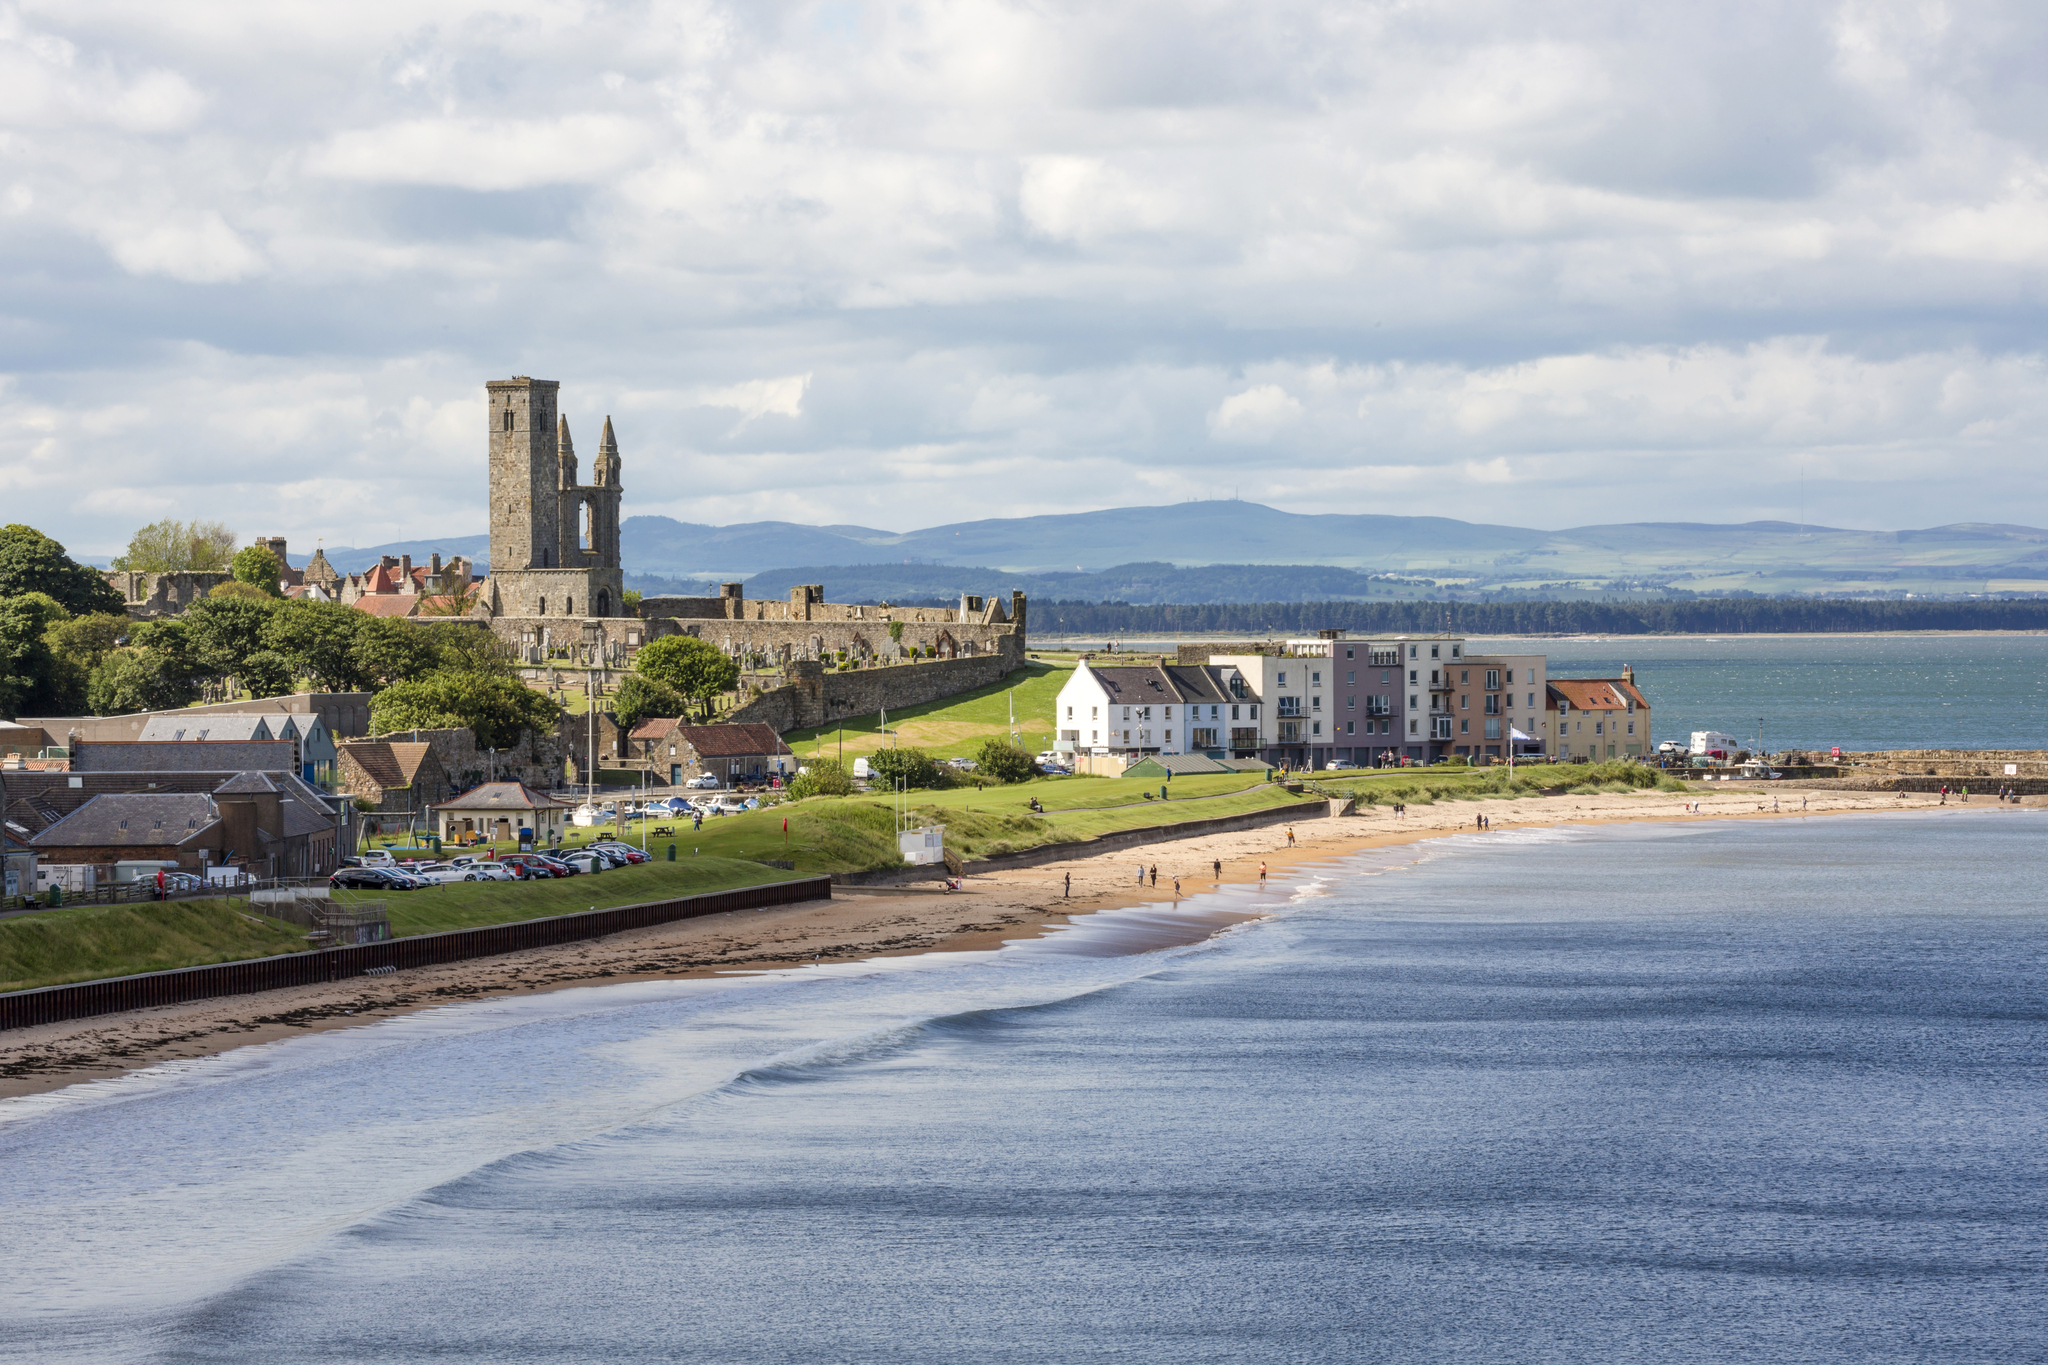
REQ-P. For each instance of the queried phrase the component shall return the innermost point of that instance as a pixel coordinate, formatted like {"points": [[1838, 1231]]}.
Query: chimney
{"points": [[1628, 675]]}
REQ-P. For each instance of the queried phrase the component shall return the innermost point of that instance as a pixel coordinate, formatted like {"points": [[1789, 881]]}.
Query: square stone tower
{"points": [[526, 503]]}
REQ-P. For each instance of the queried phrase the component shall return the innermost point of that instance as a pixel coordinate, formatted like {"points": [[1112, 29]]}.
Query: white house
{"points": [[1159, 709]]}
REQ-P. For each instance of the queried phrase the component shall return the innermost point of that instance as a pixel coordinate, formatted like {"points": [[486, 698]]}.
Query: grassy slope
{"points": [[955, 727], [88, 942], [91, 941]]}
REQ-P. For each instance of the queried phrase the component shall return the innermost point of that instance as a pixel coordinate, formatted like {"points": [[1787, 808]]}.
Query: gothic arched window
{"points": [[583, 521], [543, 606], [508, 418]]}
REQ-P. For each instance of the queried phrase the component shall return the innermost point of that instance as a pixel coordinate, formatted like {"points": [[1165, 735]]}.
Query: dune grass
{"points": [[1422, 786]]}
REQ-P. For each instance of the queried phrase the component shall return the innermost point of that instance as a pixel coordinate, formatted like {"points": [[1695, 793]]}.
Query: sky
{"points": [[895, 265]]}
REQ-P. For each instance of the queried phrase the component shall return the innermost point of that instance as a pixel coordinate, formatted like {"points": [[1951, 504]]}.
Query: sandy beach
{"points": [[857, 923]]}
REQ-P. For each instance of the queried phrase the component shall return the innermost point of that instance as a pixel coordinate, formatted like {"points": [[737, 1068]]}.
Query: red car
{"points": [[530, 866]]}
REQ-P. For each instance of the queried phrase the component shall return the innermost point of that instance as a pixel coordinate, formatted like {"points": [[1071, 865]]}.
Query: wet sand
{"points": [[857, 923]]}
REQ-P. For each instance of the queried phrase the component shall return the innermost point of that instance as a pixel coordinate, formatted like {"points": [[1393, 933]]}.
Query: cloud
{"points": [[1256, 415], [1535, 263], [782, 397]]}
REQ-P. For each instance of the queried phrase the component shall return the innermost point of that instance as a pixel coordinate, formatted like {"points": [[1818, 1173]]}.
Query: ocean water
{"points": [[1856, 692], [1723, 1091]]}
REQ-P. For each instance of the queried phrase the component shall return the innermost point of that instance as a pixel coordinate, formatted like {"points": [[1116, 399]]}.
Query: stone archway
{"points": [[946, 646], [604, 601]]}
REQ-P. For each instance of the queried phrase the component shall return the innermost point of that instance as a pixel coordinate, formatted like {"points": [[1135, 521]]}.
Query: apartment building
{"points": [[1599, 718]]}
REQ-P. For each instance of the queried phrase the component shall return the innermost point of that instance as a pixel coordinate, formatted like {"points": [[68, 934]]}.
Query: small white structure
{"points": [[1709, 741], [927, 845]]}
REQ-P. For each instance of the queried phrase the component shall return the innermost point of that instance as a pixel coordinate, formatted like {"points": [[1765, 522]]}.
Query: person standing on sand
{"points": [[1262, 876], [1070, 886], [1217, 867], [1290, 836], [1176, 888], [1155, 874], [1802, 802], [1141, 874]]}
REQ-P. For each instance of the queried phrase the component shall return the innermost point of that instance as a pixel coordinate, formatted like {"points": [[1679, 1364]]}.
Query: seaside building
{"points": [[1596, 719], [502, 810]]}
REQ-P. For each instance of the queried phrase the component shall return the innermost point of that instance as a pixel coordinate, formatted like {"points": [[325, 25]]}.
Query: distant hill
{"points": [[1249, 552]]}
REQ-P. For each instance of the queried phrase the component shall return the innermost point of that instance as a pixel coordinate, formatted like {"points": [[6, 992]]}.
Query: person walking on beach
{"points": [[1155, 874], [1262, 876], [1176, 888], [1141, 874], [1070, 886], [1774, 805], [1217, 868], [1290, 836], [1802, 803]]}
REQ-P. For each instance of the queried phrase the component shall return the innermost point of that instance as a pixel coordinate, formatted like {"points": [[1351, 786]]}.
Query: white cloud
{"points": [[782, 397], [1256, 415], [1492, 261]]}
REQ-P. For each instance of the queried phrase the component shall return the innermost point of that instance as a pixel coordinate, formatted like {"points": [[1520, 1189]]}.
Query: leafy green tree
{"points": [[222, 632], [318, 638], [245, 591], [689, 667], [78, 645], [821, 777], [639, 698], [497, 708], [32, 562], [30, 672], [266, 673], [387, 651], [139, 680], [914, 768], [1003, 761], [259, 568], [172, 546]]}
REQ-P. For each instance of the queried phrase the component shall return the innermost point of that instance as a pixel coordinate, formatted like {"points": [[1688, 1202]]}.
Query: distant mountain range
{"points": [[1248, 552]]}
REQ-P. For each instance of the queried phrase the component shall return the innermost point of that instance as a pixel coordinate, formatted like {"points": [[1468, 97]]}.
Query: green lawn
{"points": [[1420, 786], [86, 942], [952, 728], [466, 905]]}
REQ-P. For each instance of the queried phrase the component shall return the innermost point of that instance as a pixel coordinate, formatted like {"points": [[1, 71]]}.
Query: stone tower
{"points": [[554, 541], [526, 507]]}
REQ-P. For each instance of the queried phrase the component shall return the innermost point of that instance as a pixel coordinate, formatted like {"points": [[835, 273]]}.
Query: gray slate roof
{"points": [[161, 818], [183, 728]]}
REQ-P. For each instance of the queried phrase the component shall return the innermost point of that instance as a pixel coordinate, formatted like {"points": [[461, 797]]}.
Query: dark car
{"points": [[373, 879], [617, 852], [527, 866]]}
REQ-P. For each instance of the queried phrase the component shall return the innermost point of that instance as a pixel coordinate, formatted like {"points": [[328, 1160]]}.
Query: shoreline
{"points": [[857, 923]]}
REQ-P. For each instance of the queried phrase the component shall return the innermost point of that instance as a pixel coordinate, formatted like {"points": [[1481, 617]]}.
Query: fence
{"points": [[52, 1004]]}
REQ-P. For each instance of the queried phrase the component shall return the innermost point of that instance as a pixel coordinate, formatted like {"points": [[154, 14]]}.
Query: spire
{"points": [[567, 449], [605, 473]]}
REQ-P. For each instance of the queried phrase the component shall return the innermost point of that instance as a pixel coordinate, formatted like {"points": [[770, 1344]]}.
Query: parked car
{"points": [[702, 782], [1339, 765], [587, 860], [965, 765], [373, 879], [726, 805], [440, 874], [493, 872], [617, 850], [379, 857], [529, 865]]}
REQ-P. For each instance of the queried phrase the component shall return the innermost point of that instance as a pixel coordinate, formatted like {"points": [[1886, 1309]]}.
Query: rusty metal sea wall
{"points": [[52, 1004]]}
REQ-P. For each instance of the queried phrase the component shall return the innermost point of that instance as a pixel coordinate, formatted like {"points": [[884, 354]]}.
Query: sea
{"points": [[1762, 1090], [1856, 692]]}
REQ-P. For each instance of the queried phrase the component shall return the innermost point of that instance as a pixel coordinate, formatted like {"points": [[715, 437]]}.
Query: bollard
{"points": [[671, 852]]}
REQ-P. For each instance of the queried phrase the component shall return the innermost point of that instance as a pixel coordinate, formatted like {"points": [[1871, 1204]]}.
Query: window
{"points": [[1598, 727], [1532, 699], [1433, 652], [1413, 727], [1414, 701], [1492, 705], [1464, 727], [1091, 713], [1350, 727], [1283, 680], [1492, 679], [1411, 651], [1254, 712], [1169, 713], [1412, 676], [1315, 679], [1511, 677], [1351, 703], [1316, 702], [1465, 676], [1233, 713], [1383, 677], [1493, 729], [1127, 713], [543, 606], [1464, 701], [1631, 727], [1070, 713], [1316, 728], [1349, 653], [1169, 736], [1212, 712]]}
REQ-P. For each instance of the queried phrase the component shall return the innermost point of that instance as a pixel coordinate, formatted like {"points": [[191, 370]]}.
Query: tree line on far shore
{"points": [[1703, 616]]}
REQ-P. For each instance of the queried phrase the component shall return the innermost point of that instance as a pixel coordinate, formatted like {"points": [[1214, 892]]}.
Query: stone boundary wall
{"points": [[1102, 843], [536, 761], [817, 697]]}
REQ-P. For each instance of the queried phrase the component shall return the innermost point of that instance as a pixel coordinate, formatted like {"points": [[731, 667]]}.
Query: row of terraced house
{"points": [[1308, 703]]}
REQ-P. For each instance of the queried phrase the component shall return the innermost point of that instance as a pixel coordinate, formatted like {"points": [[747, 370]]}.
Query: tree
{"points": [[30, 675], [913, 768], [689, 667], [139, 680], [259, 568], [1004, 761], [387, 651], [821, 777], [319, 640], [639, 698], [78, 645], [246, 591], [266, 673], [32, 562], [172, 546], [497, 708], [222, 632]]}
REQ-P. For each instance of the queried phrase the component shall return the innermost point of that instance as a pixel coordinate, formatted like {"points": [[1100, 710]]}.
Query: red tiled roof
{"points": [[654, 727], [387, 604], [1596, 694]]}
